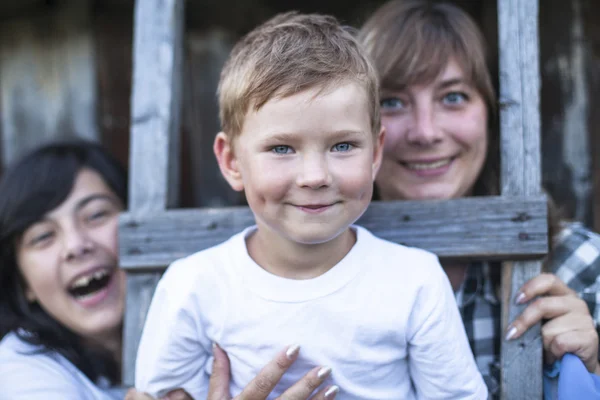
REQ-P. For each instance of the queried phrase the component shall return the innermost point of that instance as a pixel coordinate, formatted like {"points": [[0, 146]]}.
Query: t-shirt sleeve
{"points": [[37, 378], [441, 362], [173, 348]]}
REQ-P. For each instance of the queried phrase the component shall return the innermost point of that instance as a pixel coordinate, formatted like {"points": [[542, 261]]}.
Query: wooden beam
{"points": [[469, 228], [155, 119], [520, 176]]}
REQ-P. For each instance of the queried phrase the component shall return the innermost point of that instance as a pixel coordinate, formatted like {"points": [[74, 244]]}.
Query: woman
{"points": [[61, 307], [439, 111]]}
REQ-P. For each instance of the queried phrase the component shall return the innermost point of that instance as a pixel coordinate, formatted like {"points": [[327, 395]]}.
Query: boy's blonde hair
{"points": [[286, 55]]}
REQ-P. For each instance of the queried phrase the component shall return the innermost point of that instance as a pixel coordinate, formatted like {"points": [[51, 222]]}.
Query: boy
{"points": [[302, 137]]}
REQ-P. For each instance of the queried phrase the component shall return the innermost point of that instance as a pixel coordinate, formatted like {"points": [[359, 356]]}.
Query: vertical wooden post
{"points": [[520, 176], [154, 161]]}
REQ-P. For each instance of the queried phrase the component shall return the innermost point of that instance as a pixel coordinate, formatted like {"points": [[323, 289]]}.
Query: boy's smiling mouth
{"points": [[315, 208]]}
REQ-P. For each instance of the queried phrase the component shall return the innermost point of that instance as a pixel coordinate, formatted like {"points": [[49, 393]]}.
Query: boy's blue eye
{"points": [[454, 98], [282, 149], [392, 103], [342, 147]]}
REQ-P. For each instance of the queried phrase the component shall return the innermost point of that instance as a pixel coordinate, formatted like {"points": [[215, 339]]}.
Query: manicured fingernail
{"points": [[292, 351], [520, 299], [511, 333], [331, 392], [323, 372]]}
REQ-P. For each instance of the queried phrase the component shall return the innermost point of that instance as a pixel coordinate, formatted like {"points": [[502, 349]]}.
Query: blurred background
{"points": [[65, 70]]}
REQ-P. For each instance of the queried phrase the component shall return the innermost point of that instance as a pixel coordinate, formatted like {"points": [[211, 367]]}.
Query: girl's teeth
{"points": [[433, 165]]}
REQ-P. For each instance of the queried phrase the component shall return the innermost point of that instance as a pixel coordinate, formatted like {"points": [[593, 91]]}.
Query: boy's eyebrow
{"points": [[291, 137]]}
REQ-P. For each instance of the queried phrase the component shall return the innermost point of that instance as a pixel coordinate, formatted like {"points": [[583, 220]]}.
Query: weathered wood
{"points": [[47, 70], [520, 176], [155, 106], [154, 161], [140, 288], [475, 228]]}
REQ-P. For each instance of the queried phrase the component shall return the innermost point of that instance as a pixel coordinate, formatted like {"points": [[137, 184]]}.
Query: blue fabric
{"points": [[568, 379]]}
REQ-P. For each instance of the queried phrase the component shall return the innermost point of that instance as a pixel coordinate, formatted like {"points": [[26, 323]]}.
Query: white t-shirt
{"points": [[27, 375], [384, 319]]}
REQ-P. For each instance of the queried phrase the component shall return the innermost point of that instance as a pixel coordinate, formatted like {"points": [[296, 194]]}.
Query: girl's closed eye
{"points": [[97, 216], [41, 239]]}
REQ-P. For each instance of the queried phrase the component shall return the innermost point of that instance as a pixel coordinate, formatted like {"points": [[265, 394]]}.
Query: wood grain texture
{"points": [[520, 176], [155, 107], [469, 228], [140, 289], [47, 70], [154, 161]]}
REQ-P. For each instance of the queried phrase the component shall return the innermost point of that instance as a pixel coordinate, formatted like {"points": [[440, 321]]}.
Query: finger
{"points": [[178, 394], [558, 326], [218, 388], [543, 285], [133, 394], [544, 308], [569, 322], [584, 344], [261, 386], [302, 389], [327, 393]]}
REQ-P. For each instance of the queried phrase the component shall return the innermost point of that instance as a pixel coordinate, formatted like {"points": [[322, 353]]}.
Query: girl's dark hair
{"points": [[36, 184]]}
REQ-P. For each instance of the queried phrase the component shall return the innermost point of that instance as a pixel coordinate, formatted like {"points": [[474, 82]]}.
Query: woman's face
{"points": [[69, 260], [436, 139]]}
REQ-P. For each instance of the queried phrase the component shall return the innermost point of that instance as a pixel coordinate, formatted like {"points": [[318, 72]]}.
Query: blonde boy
{"points": [[302, 138]]}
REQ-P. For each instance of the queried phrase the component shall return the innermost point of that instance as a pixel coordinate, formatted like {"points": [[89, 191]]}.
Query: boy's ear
{"points": [[378, 151], [228, 163]]}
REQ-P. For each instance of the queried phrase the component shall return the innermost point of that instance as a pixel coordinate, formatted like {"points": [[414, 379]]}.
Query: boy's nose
{"points": [[314, 173]]}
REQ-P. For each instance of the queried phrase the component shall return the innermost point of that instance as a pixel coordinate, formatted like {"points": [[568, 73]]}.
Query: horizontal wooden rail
{"points": [[484, 228]]}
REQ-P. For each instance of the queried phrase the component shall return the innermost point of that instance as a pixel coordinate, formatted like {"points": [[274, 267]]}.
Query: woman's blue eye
{"points": [[342, 147], [281, 149], [455, 98], [392, 103]]}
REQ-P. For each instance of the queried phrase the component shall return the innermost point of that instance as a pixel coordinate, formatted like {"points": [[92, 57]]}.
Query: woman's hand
{"points": [[178, 394], [262, 385], [569, 327]]}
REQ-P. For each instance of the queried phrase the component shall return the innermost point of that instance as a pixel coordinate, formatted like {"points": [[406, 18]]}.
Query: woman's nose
{"points": [[424, 131], [77, 243]]}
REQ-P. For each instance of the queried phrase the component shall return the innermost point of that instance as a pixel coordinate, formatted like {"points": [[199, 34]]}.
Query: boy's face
{"points": [[307, 163]]}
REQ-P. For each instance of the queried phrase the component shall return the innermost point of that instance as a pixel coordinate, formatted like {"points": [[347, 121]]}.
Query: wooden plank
{"points": [[140, 288], [47, 70], [475, 228], [520, 176], [155, 104]]}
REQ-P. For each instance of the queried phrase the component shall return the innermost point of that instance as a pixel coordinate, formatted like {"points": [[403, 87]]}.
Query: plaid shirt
{"points": [[575, 259]]}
